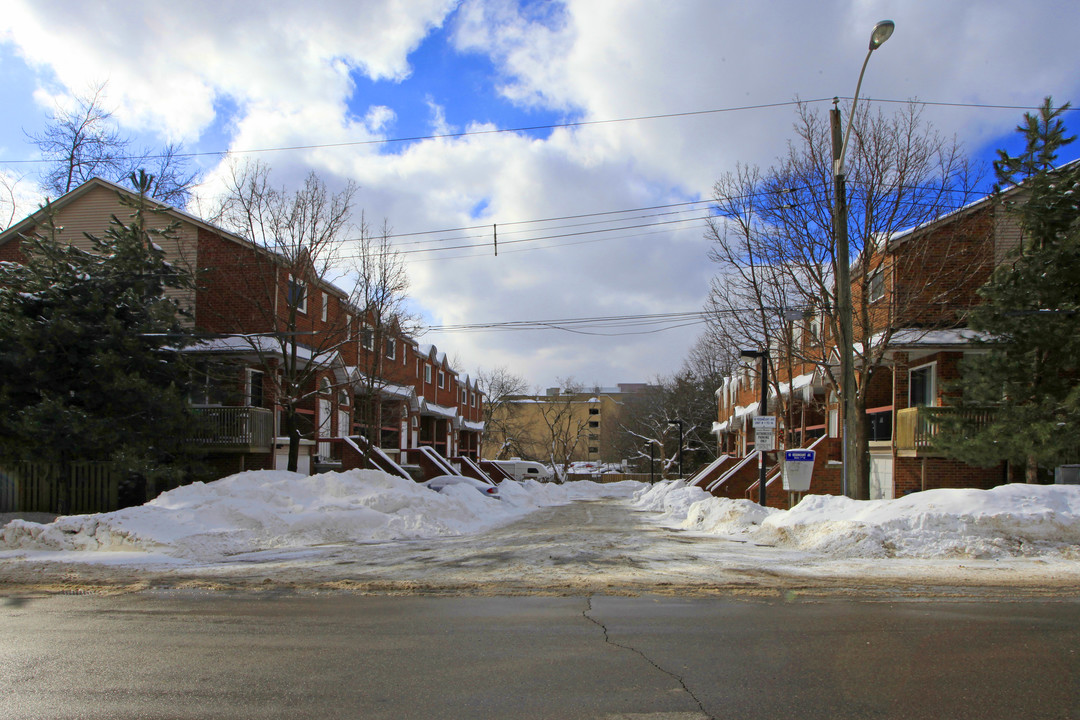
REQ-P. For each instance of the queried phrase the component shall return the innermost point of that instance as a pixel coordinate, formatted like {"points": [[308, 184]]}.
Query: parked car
{"points": [[525, 469], [440, 482]]}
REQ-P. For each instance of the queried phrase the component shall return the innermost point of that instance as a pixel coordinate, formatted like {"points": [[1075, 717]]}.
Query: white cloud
{"points": [[166, 65], [288, 71]]}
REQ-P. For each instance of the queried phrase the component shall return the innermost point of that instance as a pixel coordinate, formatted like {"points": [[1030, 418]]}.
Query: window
{"points": [[348, 327], [324, 386], [594, 411], [343, 397], [473, 400], [880, 426], [815, 327], [254, 392], [325, 307], [594, 436], [391, 348], [877, 284], [593, 450], [214, 384], [442, 379], [367, 337], [922, 390], [297, 296], [427, 373], [594, 424]]}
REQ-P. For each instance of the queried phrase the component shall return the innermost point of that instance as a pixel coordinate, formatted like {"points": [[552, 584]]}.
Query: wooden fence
{"points": [[80, 487], [611, 477]]}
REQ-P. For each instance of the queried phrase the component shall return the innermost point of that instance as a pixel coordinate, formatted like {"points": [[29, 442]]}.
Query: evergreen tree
{"points": [[1030, 320], [91, 366]]}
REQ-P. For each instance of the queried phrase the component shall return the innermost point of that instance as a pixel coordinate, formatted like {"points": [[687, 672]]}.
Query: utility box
{"points": [[798, 469], [1067, 475]]}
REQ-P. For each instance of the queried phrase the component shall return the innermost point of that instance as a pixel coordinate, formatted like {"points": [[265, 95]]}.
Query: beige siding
{"points": [[92, 214], [1007, 234]]}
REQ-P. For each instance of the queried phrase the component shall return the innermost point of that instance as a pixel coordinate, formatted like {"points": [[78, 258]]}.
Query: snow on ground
{"points": [[264, 510], [275, 513], [1007, 521]]}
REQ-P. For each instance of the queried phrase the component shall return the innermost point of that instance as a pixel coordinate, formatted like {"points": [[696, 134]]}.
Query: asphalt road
{"points": [[186, 654]]}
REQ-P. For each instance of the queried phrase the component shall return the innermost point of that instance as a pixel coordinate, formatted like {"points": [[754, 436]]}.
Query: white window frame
{"points": [[875, 288], [348, 327], [301, 288], [427, 373], [367, 337], [391, 348], [249, 374], [325, 307], [932, 367], [442, 379]]}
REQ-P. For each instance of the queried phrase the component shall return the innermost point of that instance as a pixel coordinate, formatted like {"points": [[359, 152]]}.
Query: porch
{"points": [[916, 427], [235, 429]]}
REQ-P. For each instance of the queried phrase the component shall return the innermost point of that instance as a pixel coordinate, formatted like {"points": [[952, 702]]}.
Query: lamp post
{"points": [[679, 423], [882, 31], [763, 410]]}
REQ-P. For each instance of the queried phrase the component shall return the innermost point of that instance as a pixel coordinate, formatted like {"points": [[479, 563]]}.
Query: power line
{"points": [[532, 128]]}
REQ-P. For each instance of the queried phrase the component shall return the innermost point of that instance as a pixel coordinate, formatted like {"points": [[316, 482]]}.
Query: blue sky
{"points": [[357, 71]]}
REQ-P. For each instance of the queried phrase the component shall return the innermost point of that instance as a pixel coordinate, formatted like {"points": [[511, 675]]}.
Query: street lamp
{"points": [[763, 411], [679, 423], [882, 31]]}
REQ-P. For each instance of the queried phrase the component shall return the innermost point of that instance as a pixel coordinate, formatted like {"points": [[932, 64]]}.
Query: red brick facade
{"points": [[243, 290], [929, 279]]}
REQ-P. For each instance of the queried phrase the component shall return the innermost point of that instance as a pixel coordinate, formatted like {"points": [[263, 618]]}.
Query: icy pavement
{"points": [[364, 531]]}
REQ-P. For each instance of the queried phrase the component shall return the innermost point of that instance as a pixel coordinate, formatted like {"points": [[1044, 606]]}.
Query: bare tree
{"points": [[564, 422], [504, 425], [380, 293], [774, 243], [9, 199], [297, 238], [649, 422], [82, 141]]}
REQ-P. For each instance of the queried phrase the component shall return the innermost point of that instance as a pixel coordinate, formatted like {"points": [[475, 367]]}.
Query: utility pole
{"points": [[852, 482]]}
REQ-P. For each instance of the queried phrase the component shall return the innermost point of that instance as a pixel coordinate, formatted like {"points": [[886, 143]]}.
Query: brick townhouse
{"points": [[240, 306], [920, 283]]}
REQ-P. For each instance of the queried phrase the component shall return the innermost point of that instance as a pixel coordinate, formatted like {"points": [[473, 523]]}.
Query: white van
{"points": [[525, 469]]}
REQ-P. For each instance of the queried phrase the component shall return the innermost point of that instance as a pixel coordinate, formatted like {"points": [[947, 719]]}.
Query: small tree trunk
{"points": [[1031, 471], [294, 439], [859, 466]]}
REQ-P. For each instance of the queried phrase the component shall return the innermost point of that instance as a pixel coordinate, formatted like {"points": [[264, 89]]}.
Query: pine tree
{"points": [[91, 367], [1030, 320]]}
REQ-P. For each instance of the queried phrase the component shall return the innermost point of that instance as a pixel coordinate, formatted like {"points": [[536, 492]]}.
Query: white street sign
{"points": [[765, 433]]}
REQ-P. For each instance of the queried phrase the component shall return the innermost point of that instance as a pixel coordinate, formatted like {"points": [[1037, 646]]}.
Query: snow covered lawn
{"points": [[371, 530], [272, 509], [1007, 521]]}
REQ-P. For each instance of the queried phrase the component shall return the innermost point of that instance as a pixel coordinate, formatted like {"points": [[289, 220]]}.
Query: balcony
{"points": [[235, 429], [917, 426]]}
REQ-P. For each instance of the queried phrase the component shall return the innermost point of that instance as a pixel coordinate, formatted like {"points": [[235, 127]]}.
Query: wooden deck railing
{"points": [[243, 429], [916, 427]]}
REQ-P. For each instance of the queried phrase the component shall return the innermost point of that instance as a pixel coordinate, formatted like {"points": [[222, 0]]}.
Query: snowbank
{"points": [[1007, 521], [265, 510]]}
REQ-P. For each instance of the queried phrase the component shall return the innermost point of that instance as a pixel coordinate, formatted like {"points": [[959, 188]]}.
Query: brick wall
{"points": [[908, 475]]}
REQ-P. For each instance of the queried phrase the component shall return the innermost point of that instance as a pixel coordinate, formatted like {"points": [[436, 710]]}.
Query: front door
{"points": [[881, 476]]}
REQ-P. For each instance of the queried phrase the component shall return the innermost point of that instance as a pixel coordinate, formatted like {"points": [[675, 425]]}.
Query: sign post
{"points": [[798, 471]]}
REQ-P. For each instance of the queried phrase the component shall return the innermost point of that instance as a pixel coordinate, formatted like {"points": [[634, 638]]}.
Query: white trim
{"points": [[933, 382]]}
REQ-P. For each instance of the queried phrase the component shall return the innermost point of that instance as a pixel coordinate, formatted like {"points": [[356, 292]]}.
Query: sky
{"points": [[423, 103]]}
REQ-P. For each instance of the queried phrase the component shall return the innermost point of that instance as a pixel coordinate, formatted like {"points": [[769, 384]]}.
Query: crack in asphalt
{"points": [[607, 638]]}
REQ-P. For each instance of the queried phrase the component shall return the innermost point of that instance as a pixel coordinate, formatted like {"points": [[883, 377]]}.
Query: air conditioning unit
{"points": [[1067, 475]]}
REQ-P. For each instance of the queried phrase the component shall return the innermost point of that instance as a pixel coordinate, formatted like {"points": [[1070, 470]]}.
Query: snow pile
{"points": [[264, 510], [1007, 521]]}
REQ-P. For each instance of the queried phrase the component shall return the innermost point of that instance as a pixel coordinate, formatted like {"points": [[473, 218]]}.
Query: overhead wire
{"points": [[533, 128]]}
